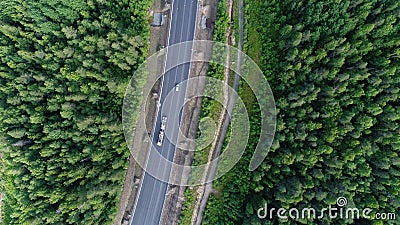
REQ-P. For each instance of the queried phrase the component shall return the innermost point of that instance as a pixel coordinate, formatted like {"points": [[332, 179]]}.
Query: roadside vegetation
{"points": [[64, 69], [334, 70], [209, 109]]}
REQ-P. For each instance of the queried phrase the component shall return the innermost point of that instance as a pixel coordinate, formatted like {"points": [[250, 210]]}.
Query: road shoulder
{"points": [[158, 38]]}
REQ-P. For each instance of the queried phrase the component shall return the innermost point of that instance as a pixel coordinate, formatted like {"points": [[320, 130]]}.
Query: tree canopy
{"points": [[64, 68], [334, 69]]}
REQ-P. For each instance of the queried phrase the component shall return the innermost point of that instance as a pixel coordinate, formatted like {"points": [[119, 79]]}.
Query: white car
{"points": [[160, 138], [177, 87]]}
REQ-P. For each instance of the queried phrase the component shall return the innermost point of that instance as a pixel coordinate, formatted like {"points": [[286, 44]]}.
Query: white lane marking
{"points": [[185, 95], [157, 111]]}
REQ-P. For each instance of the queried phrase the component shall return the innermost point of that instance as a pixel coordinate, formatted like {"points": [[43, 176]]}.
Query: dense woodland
{"points": [[334, 68], [64, 68]]}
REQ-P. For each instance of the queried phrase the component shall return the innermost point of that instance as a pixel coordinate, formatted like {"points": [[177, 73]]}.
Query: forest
{"points": [[333, 66], [334, 70], [64, 68]]}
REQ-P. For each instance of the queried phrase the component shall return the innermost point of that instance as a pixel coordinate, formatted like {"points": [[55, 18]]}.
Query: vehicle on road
{"points": [[177, 87], [162, 131], [163, 121], [160, 138]]}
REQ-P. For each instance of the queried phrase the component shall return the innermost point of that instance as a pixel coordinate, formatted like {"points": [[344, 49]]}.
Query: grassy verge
{"points": [[253, 47], [210, 108]]}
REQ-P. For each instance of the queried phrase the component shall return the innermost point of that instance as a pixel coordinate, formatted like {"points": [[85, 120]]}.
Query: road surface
{"points": [[151, 196]]}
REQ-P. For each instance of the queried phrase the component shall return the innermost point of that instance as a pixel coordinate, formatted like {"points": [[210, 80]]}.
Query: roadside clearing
{"points": [[158, 37], [204, 191]]}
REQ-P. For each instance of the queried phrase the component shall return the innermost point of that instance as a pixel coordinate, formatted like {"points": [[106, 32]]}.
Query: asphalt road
{"points": [[152, 192]]}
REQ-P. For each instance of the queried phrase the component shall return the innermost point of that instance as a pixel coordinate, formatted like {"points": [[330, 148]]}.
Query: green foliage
{"points": [[63, 72], [334, 69], [210, 108]]}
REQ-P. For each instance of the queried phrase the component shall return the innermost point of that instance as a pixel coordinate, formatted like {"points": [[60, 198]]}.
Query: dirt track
{"points": [[205, 191]]}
